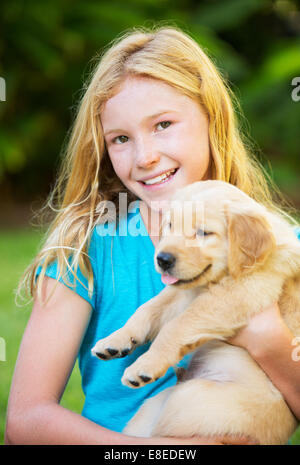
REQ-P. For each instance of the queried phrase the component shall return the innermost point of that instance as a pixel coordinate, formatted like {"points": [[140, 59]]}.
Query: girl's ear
{"points": [[250, 242]]}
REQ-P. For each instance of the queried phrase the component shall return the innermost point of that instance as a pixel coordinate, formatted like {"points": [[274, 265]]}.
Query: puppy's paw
{"points": [[117, 345], [144, 371]]}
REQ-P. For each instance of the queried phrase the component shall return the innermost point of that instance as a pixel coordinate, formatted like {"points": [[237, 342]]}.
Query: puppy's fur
{"points": [[239, 260]]}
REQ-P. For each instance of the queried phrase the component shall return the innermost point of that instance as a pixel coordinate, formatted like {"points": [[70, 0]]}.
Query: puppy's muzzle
{"points": [[166, 261]]}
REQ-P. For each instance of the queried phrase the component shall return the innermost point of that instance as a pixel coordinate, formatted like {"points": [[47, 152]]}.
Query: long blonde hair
{"points": [[86, 176]]}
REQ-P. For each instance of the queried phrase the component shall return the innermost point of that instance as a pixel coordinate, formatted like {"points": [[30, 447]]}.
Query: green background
{"points": [[47, 50]]}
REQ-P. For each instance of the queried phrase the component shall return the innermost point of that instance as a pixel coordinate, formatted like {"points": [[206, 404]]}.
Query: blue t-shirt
{"points": [[124, 279]]}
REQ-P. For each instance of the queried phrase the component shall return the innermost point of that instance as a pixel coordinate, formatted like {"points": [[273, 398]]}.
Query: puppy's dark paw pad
{"points": [[124, 352], [101, 355], [145, 379], [112, 352], [134, 383]]}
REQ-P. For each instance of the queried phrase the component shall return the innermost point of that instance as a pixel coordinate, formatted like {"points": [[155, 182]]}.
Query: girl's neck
{"points": [[152, 221]]}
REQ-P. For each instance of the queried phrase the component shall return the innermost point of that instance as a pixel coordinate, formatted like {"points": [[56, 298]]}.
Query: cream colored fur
{"points": [[248, 259]]}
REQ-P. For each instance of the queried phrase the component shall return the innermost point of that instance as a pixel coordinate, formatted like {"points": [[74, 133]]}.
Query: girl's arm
{"points": [[272, 345], [47, 353], [46, 357]]}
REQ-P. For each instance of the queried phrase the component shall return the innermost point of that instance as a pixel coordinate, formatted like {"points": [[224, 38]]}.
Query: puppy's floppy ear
{"points": [[250, 242]]}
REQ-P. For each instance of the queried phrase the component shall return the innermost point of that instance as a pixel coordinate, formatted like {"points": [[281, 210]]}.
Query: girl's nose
{"points": [[146, 155]]}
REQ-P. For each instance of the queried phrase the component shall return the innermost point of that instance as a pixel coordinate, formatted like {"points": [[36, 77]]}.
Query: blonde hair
{"points": [[86, 176]]}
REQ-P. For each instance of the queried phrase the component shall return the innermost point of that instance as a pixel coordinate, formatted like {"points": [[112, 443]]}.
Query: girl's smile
{"points": [[156, 137], [158, 181]]}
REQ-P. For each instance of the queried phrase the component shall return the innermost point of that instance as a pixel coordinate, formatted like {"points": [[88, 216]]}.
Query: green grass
{"points": [[17, 249]]}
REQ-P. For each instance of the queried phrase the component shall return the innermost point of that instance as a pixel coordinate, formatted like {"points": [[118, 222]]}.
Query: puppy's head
{"points": [[211, 229]]}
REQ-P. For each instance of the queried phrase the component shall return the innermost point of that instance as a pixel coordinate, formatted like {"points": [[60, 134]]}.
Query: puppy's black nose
{"points": [[165, 260]]}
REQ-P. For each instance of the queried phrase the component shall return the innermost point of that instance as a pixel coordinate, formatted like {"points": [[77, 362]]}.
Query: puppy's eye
{"points": [[202, 233]]}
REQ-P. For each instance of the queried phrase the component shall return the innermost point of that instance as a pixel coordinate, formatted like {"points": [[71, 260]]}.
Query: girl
{"points": [[155, 116]]}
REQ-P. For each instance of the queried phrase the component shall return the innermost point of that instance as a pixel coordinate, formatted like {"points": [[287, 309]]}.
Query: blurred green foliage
{"points": [[47, 49]]}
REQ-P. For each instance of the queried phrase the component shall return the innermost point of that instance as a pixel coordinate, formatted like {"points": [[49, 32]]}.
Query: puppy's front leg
{"points": [[141, 327], [176, 339], [216, 314]]}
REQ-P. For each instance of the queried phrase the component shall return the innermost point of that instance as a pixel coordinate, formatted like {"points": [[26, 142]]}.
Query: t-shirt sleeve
{"points": [[297, 232], [68, 279]]}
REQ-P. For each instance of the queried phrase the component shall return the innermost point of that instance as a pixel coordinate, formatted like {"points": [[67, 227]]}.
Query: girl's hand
{"points": [[260, 333], [205, 441]]}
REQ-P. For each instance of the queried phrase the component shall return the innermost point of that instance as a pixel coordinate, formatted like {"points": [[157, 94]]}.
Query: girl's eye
{"points": [[164, 124], [121, 140]]}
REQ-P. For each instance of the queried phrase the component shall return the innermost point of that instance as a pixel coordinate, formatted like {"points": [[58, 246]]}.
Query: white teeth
{"points": [[160, 178]]}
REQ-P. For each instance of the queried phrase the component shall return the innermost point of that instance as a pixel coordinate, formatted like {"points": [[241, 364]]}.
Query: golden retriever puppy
{"points": [[224, 258]]}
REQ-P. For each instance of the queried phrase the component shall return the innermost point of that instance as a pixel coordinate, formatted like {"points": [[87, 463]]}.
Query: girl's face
{"points": [[156, 137]]}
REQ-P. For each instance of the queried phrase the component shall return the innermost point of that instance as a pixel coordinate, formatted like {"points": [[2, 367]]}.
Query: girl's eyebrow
{"points": [[145, 119]]}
